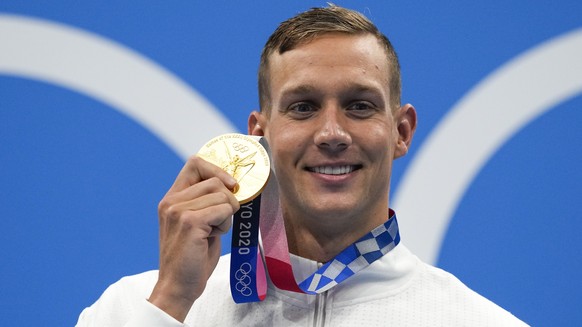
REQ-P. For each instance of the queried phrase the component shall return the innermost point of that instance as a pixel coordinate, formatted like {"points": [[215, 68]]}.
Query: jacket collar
{"points": [[394, 272]]}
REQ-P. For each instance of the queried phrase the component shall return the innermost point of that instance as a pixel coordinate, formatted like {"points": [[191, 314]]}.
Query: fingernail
{"points": [[235, 188]]}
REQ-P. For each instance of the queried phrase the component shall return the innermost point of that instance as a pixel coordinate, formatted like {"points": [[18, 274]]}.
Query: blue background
{"points": [[80, 181]]}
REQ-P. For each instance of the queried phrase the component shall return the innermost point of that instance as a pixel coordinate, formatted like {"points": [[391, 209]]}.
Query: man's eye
{"points": [[302, 108], [359, 106], [361, 109]]}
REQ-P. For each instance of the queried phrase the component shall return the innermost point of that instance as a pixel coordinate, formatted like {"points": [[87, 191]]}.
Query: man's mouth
{"points": [[333, 170]]}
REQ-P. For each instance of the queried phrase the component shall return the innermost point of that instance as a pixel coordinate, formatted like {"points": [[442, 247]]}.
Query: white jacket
{"points": [[396, 290]]}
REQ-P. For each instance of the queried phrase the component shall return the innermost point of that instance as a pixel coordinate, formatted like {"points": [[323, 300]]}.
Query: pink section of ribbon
{"points": [[275, 247], [261, 277]]}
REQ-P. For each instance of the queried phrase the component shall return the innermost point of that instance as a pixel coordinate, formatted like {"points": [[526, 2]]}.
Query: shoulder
{"points": [[120, 300], [424, 293], [461, 303]]}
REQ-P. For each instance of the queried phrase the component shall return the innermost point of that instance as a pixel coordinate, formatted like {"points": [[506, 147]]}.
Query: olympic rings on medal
{"points": [[240, 147], [243, 279]]}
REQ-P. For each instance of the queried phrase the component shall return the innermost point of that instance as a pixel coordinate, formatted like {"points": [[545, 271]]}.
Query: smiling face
{"points": [[332, 132]]}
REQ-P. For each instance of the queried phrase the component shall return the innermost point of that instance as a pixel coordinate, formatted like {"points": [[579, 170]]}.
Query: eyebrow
{"points": [[299, 90], [310, 89], [363, 88]]}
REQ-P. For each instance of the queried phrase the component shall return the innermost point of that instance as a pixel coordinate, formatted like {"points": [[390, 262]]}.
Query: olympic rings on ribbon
{"points": [[243, 279]]}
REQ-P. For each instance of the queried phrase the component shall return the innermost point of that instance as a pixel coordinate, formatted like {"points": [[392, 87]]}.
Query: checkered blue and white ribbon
{"points": [[356, 257]]}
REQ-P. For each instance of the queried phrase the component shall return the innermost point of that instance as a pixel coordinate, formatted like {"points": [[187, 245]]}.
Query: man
{"points": [[329, 86]]}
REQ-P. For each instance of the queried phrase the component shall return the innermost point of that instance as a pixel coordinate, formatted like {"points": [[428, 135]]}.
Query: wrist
{"points": [[172, 300]]}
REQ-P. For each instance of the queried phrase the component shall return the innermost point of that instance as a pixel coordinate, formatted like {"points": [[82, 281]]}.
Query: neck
{"points": [[322, 243]]}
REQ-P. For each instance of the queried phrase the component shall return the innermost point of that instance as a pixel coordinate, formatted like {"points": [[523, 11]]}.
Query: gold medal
{"points": [[244, 158]]}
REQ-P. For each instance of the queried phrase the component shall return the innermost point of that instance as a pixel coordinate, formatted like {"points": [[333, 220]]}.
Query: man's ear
{"points": [[405, 118], [256, 123]]}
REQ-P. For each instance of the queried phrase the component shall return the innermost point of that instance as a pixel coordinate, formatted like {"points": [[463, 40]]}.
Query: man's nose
{"points": [[332, 133]]}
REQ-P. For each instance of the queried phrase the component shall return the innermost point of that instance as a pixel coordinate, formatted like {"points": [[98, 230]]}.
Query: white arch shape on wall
{"points": [[474, 129], [113, 74]]}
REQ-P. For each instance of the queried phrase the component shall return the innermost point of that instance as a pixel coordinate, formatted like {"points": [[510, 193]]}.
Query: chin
{"points": [[334, 208]]}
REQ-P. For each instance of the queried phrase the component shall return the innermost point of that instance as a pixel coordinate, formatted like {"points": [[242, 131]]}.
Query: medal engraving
{"points": [[243, 158]]}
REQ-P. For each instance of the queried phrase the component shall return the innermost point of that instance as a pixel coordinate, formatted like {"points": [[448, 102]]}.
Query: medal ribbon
{"points": [[248, 280], [247, 272]]}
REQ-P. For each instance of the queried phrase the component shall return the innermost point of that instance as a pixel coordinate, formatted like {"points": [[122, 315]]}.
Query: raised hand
{"points": [[193, 214]]}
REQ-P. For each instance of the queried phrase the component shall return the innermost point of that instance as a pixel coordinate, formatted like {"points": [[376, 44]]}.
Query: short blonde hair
{"points": [[315, 22]]}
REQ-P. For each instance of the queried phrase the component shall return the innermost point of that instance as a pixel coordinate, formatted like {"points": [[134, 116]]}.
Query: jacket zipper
{"points": [[319, 315]]}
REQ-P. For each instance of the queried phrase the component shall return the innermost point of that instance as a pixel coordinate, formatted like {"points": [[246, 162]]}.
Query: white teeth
{"points": [[336, 170]]}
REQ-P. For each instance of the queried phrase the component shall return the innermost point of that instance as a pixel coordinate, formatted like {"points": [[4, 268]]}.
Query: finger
{"points": [[219, 215], [191, 193], [221, 228], [220, 225], [209, 221], [197, 169], [208, 200]]}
